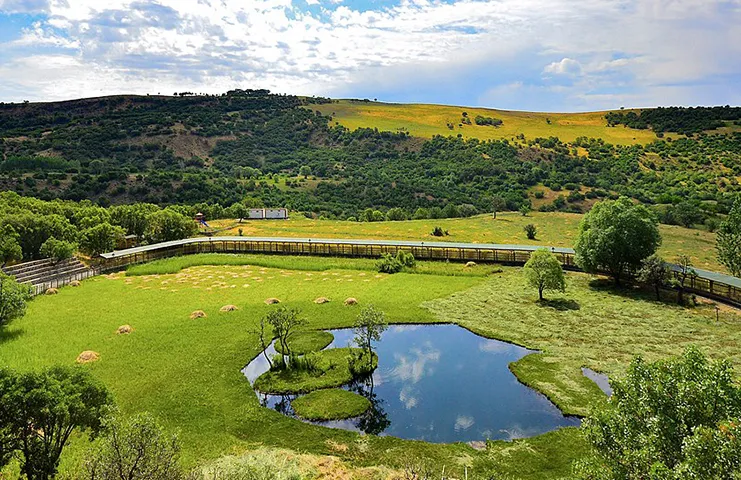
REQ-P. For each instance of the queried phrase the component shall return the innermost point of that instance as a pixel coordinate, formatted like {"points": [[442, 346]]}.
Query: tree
{"points": [[684, 272], [13, 299], [369, 326], [305, 170], [655, 272], [396, 214], [421, 213], [531, 231], [524, 210], [48, 406], [544, 272], [57, 250], [101, 238], [34, 230], [284, 322], [616, 236], [133, 218], [666, 420], [167, 225], [135, 448], [238, 210], [729, 240], [10, 248]]}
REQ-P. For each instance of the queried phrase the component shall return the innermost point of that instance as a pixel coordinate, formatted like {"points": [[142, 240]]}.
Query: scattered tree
{"points": [[305, 170], [616, 236], [167, 225], [284, 322], [101, 238], [13, 299], [672, 420], [135, 448], [729, 240], [45, 408], [57, 250], [654, 272], [524, 210], [685, 272], [369, 326], [544, 272], [396, 214], [531, 231]]}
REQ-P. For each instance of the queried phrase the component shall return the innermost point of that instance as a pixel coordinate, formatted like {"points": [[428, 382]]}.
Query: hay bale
{"points": [[351, 301], [271, 301], [51, 291], [228, 308], [470, 264], [124, 330], [321, 300], [198, 314], [88, 356], [74, 283]]}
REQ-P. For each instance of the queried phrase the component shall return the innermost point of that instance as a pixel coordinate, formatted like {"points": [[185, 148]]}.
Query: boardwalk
{"points": [[712, 284]]}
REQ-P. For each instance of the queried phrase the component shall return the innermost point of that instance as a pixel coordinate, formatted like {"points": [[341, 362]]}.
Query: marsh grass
{"points": [[330, 404]]}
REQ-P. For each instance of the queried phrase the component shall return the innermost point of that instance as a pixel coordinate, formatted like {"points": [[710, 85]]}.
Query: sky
{"points": [[537, 55]]}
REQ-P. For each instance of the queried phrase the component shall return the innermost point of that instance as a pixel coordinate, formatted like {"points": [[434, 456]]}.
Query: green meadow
{"points": [[554, 229], [423, 120], [187, 371]]}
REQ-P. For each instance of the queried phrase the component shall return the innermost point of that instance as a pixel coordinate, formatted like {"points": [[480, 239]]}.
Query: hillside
{"points": [[280, 150]]}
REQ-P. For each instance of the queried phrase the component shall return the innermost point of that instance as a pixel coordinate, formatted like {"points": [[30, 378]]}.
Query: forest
{"points": [[259, 148]]}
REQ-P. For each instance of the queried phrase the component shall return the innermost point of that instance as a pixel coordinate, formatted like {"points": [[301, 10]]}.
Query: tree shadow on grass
{"points": [[9, 335], [560, 304]]}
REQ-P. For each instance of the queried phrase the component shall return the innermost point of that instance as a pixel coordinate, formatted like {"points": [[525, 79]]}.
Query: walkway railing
{"points": [[715, 285]]}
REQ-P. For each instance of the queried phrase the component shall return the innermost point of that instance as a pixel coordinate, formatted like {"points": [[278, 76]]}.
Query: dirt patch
{"points": [[51, 291], [183, 145], [271, 301], [228, 308], [321, 300], [198, 314], [351, 301], [124, 330], [88, 356]]}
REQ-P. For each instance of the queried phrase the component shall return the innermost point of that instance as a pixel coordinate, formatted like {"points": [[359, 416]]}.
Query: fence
{"points": [[61, 281], [718, 286]]}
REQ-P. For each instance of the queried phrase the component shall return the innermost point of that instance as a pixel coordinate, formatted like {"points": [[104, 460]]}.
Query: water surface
{"points": [[440, 383]]}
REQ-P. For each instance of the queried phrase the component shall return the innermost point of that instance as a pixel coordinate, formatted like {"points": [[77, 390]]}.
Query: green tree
{"points": [[101, 238], [57, 250], [10, 248], [34, 229], [524, 210], [369, 325], [421, 214], [133, 218], [616, 236], [284, 321], [48, 406], [531, 231], [544, 272], [13, 299], [654, 272], [396, 214], [135, 448], [665, 420], [305, 170], [684, 272], [238, 210], [729, 240], [167, 225]]}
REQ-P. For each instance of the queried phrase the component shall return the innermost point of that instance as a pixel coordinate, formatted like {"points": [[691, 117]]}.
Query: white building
{"points": [[268, 214]]}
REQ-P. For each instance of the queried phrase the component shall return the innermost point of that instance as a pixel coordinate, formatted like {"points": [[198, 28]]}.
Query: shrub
{"points": [[438, 232], [57, 250], [394, 264], [13, 299], [530, 230]]}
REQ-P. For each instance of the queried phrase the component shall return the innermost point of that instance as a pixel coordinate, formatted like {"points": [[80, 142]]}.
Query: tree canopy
{"points": [[544, 272], [729, 240]]}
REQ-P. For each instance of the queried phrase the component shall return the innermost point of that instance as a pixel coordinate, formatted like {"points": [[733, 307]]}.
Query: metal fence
{"points": [[41, 288]]}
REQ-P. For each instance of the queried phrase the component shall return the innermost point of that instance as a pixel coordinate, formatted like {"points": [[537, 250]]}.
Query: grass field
{"points": [[554, 229], [425, 121], [187, 372]]}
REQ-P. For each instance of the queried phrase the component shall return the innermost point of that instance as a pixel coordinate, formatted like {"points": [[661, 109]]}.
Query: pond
{"points": [[439, 383]]}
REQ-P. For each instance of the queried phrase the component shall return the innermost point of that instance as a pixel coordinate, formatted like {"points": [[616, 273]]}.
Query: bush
{"points": [[394, 264], [530, 230], [439, 232], [57, 250], [13, 299]]}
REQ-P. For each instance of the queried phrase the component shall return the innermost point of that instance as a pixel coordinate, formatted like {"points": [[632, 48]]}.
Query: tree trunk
{"points": [[658, 293], [540, 293]]}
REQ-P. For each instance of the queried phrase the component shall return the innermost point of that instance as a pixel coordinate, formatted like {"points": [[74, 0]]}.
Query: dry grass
{"points": [[124, 330], [51, 291], [197, 314], [228, 308], [88, 356], [351, 301], [271, 301], [321, 300]]}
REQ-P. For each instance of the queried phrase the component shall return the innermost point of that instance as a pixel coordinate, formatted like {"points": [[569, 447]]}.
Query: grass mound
{"points": [[271, 301], [332, 404], [75, 283], [321, 300], [88, 356], [331, 368], [228, 308], [198, 314], [51, 291], [301, 343], [124, 330], [351, 301]]}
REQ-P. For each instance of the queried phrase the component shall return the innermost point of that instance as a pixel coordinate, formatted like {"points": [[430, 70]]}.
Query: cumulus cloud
{"points": [[458, 50]]}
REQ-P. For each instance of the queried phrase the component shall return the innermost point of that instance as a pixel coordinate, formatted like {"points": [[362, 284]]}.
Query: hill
{"points": [[259, 148]]}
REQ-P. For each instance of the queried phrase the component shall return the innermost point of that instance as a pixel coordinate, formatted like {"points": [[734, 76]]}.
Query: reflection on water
{"points": [[602, 381], [439, 383]]}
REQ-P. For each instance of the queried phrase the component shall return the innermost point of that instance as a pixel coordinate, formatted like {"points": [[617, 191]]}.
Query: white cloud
{"points": [[209, 45]]}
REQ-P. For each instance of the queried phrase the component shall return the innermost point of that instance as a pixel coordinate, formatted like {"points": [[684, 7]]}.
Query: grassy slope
{"points": [[187, 371], [427, 120], [554, 229]]}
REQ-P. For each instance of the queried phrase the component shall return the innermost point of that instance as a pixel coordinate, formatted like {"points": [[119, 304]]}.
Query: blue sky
{"points": [[543, 55]]}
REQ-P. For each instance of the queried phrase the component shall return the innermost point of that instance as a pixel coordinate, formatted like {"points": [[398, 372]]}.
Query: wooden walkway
{"points": [[715, 285]]}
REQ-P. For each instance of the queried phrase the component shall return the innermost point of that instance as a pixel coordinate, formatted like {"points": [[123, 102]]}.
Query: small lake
{"points": [[439, 383]]}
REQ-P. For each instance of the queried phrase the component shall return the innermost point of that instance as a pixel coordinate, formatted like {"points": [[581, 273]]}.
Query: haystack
{"points": [[351, 301], [124, 330], [470, 264], [88, 356], [198, 314], [271, 301], [321, 300], [51, 291], [228, 308], [75, 283]]}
